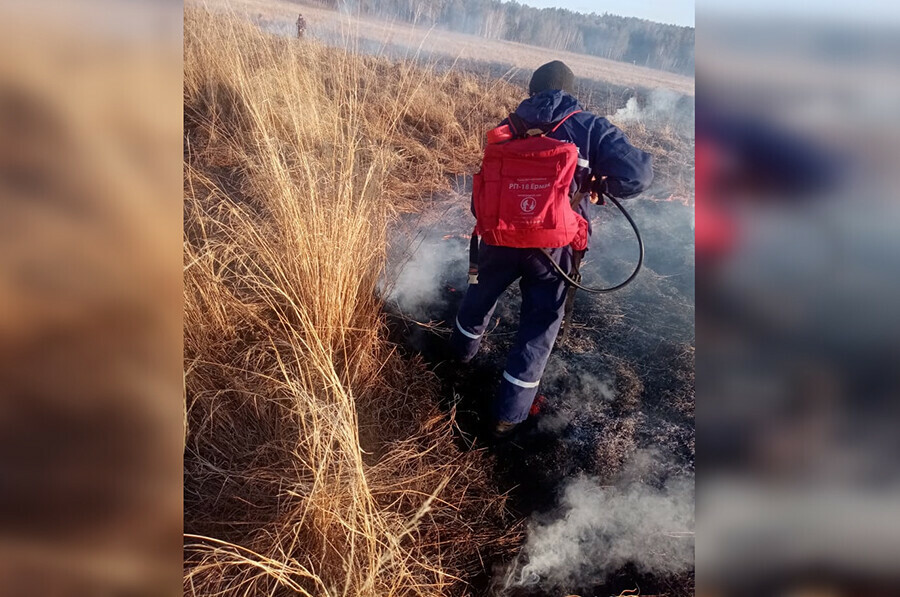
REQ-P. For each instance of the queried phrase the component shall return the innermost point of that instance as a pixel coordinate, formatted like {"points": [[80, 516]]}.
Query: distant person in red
{"points": [[301, 26]]}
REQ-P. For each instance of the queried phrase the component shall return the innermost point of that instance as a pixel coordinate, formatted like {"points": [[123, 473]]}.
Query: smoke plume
{"points": [[597, 529], [660, 108], [419, 284]]}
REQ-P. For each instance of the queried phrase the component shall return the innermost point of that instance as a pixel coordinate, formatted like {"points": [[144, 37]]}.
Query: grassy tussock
{"points": [[316, 462]]}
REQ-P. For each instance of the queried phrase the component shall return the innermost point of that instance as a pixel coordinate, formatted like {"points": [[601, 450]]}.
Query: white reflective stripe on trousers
{"points": [[518, 382], [465, 333], [583, 163]]}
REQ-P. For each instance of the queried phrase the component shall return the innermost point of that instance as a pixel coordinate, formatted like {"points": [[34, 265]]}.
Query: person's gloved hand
{"points": [[598, 189], [580, 242]]}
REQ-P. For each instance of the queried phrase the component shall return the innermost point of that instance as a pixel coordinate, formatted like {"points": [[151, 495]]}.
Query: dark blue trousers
{"points": [[543, 301]]}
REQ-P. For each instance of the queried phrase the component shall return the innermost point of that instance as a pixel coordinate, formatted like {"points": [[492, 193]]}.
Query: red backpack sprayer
{"points": [[521, 199]]}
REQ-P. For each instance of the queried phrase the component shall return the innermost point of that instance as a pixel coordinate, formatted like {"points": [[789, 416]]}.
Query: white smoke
{"points": [[417, 285], [597, 529], [595, 395], [661, 108], [630, 113]]}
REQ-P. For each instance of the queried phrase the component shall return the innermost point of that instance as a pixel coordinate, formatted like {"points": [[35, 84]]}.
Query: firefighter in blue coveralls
{"points": [[617, 168]]}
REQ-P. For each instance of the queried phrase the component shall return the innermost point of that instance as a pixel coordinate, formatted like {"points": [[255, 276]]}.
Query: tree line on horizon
{"points": [[626, 39]]}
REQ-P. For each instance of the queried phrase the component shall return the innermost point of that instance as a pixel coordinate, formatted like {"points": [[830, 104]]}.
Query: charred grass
{"points": [[319, 458]]}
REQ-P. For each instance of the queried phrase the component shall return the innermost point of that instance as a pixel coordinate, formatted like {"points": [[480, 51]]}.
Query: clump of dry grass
{"points": [[316, 461]]}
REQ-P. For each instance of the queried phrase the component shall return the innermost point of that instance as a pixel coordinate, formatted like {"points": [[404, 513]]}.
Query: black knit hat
{"points": [[553, 75]]}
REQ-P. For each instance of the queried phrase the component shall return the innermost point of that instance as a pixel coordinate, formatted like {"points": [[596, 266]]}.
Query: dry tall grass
{"points": [[316, 461]]}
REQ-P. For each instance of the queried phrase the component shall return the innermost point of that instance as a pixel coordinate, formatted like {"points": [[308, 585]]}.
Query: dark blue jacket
{"points": [[603, 149]]}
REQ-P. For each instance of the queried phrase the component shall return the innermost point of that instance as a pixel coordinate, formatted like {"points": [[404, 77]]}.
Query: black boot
{"points": [[503, 429]]}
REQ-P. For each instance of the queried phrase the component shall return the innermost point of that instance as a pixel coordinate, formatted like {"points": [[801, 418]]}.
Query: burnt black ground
{"points": [[619, 388]]}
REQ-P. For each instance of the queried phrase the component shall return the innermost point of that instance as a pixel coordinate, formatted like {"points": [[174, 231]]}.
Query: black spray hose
{"points": [[633, 275]]}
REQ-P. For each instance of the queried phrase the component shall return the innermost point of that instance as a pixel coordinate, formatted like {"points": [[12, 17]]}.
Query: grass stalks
{"points": [[316, 461]]}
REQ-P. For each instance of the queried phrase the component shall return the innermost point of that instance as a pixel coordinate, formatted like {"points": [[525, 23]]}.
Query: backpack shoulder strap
{"points": [[568, 116], [520, 127]]}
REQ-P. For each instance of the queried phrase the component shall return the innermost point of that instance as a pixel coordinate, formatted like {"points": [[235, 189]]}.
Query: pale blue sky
{"points": [[681, 12], [856, 11], [677, 12]]}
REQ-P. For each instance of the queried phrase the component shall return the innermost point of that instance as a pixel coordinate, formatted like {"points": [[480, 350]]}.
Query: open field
{"points": [[326, 452], [401, 38]]}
